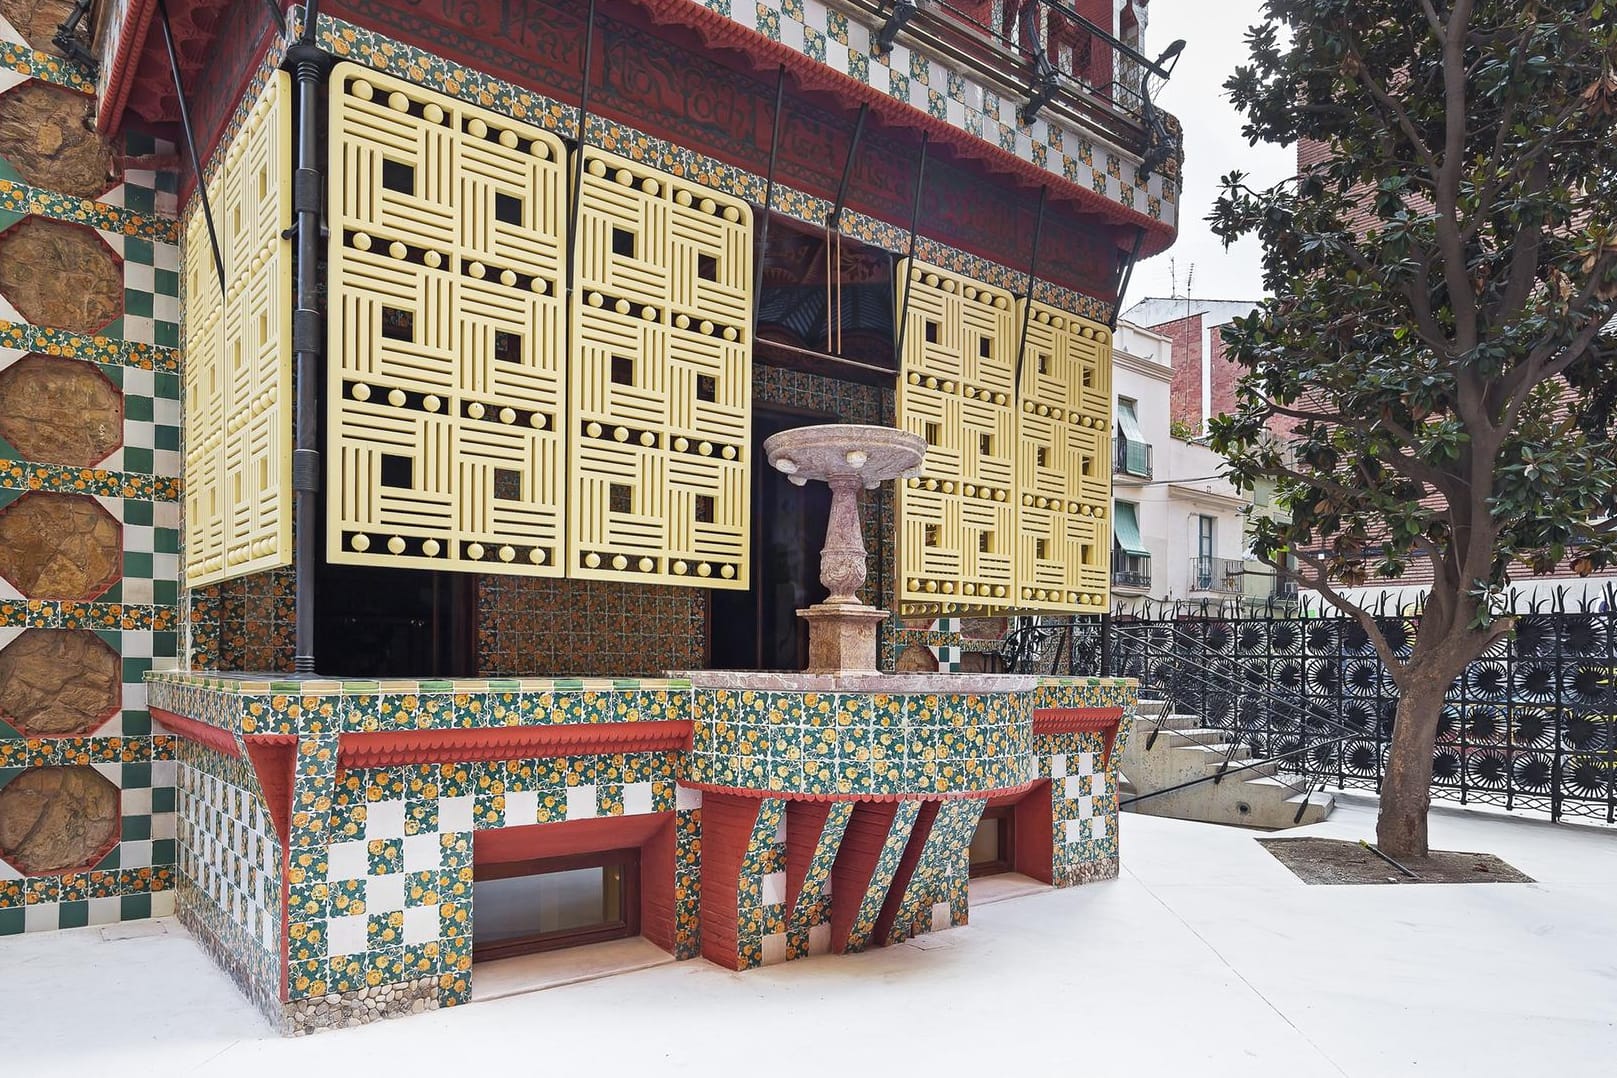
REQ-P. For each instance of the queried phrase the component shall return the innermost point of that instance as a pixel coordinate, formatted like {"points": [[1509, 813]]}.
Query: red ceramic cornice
{"points": [[722, 31], [200, 732], [1080, 720], [390, 747], [1075, 720], [121, 77], [788, 795]]}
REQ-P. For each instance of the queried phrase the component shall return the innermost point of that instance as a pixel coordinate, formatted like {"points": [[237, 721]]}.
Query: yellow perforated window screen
{"points": [[1009, 512], [660, 379], [238, 355], [957, 520], [446, 348], [1064, 467]]}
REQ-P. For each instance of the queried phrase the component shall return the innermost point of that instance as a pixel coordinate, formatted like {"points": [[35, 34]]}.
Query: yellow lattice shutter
{"points": [[238, 355], [1065, 471], [446, 347], [660, 379], [957, 520]]}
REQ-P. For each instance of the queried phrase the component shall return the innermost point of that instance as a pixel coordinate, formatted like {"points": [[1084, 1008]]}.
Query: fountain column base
{"points": [[842, 637]]}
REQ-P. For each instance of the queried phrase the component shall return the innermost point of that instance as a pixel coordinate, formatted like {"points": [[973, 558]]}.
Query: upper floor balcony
{"points": [[1223, 576], [1132, 457]]}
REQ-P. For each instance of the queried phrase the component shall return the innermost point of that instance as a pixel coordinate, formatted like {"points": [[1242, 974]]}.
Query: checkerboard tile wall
{"points": [[137, 485], [394, 899]]}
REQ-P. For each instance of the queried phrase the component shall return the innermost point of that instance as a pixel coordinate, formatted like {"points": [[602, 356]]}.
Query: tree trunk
{"points": [[1406, 789]]}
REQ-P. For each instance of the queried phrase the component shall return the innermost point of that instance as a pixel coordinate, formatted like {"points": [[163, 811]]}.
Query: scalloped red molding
{"points": [[1080, 720], [390, 747]]}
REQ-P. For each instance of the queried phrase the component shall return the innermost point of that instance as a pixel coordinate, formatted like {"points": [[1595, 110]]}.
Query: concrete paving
{"points": [[1205, 958]]}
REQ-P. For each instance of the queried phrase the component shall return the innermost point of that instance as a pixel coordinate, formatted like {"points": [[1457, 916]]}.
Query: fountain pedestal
{"points": [[847, 458]]}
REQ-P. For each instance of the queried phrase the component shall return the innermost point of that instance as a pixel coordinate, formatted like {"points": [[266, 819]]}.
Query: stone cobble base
{"points": [[348, 1009], [1102, 868]]}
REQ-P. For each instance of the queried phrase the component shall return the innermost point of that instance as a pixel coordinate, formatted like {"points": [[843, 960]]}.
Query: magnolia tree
{"points": [[1434, 355]]}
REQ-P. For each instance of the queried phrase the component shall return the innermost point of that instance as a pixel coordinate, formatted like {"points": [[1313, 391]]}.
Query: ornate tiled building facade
{"points": [[89, 511], [532, 312]]}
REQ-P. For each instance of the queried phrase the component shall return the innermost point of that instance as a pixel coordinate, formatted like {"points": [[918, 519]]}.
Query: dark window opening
{"points": [[623, 370], [993, 847], [620, 498], [623, 242], [707, 267], [934, 535], [545, 904], [508, 484], [985, 542], [985, 347], [704, 509], [398, 325], [398, 176], [931, 332], [1041, 456], [1041, 548], [507, 346], [985, 445], [1044, 362], [707, 388], [507, 209], [933, 433], [397, 471]]}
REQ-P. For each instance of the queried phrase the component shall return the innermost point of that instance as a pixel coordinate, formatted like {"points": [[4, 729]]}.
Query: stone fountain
{"points": [[847, 458]]}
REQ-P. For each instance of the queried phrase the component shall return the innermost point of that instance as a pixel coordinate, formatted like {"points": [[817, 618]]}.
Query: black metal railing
{"points": [[1224, 575], [1532, 724], [1132, 458], [1139, 577], [1046, 46]]}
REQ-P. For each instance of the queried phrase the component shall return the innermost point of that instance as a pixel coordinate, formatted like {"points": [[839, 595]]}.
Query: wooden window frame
{"points": [[627, 925]]}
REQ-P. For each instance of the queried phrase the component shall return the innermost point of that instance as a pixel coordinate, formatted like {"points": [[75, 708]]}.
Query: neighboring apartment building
{"points": [[1179, 527]]}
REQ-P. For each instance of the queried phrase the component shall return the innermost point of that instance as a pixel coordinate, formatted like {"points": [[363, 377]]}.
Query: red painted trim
{"points": [[862, 844], [137, 22], [1034, 821], [221, 741], [906, 869], [275, 759], [805, 823], [393, 747], [529, 841], [727, 824], [745, 791], [1080, 720], [721, 30]]}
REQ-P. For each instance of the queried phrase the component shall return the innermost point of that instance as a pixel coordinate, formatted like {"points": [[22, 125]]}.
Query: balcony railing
{"points": [[1133, 458], [1046, 47], [1137, 577], [1222, 575]]}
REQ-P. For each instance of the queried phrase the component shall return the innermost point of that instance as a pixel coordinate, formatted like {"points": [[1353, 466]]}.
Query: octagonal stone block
{"points": [[57, 819], [59, 546], [60, 411], [47, 135], [56, 682], [60, 275]]}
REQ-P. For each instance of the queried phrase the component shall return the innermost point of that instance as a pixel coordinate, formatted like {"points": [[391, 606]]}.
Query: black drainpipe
{"points": [[308, 64]]}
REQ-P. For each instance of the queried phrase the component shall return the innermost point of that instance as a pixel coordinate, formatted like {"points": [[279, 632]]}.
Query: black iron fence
{"points": [[1532, 724]]}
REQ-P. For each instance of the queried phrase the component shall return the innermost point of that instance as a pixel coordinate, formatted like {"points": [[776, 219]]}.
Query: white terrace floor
{"points": [[1206, 958]]}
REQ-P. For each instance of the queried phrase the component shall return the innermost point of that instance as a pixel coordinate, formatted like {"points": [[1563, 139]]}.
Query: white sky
{"points": [[1214, 36]]}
